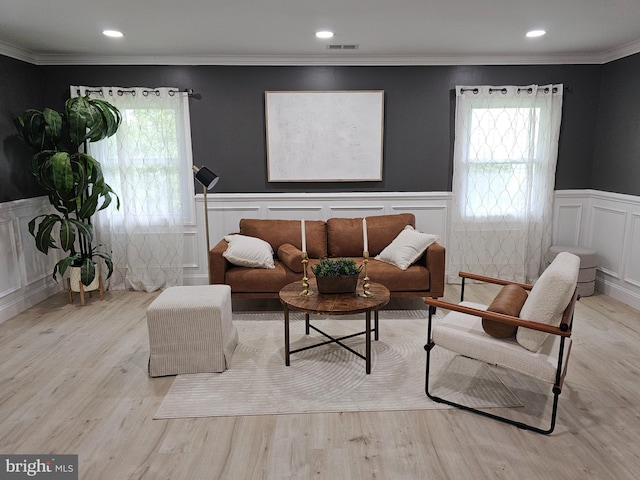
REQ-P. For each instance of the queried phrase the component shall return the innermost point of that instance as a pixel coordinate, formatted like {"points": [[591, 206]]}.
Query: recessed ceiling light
{"points": [[324, 34], [112, 33], [536, 33]]}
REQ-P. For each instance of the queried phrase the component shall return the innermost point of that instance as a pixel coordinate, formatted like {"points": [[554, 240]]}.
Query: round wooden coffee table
{"points": [[333, 304]]}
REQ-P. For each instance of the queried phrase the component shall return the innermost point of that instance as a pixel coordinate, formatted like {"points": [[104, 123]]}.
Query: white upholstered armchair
{"points": [[526, 328]]}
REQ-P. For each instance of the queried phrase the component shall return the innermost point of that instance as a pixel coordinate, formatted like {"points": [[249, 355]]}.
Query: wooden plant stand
{"points": [[81, 287]]}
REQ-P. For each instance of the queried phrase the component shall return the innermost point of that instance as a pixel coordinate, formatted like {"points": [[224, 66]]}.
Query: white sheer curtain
{"points": [[505, 155], [147, 163]]}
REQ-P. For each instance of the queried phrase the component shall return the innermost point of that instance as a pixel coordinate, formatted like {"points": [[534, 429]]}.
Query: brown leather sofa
{"points": [[337, 237]]}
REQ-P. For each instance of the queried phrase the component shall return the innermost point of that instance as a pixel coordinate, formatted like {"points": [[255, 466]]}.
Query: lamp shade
{"points": [[205, 177]]}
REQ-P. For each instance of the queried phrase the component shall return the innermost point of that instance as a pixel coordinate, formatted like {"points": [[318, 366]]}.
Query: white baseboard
{"points": [[622, 294], [30, 298]]}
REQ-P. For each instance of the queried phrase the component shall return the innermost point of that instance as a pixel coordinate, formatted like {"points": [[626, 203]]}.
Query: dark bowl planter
{"points": [[340, 284]]}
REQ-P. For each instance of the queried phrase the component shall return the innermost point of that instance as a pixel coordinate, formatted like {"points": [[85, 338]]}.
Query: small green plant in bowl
{"points": [[335, 268], [336, 276]]}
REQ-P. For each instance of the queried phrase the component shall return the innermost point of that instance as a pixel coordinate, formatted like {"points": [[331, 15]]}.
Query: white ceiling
{"points": [[282, 31]]}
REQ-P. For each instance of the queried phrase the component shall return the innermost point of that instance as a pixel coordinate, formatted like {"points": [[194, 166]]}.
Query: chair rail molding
{"points": [[610, 224]]}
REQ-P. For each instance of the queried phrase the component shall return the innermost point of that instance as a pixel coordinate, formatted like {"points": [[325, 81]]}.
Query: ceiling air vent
{"points": [[335, 46]]}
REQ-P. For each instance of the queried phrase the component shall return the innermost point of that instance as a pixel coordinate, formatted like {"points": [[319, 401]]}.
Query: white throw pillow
{"points": [[250, 252], [548, 299], [407, 247]]}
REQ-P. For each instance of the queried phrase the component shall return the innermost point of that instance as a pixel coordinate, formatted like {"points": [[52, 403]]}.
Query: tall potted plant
{"points": [[72, 178]]}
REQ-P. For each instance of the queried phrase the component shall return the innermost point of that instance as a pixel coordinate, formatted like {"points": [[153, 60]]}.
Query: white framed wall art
{"points": [[324, 136]]}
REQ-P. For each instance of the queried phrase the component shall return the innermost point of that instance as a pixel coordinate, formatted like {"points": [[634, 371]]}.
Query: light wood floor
{"points": [[74, 380]]}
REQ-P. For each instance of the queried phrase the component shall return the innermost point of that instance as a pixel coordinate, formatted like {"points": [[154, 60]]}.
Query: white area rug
{"points": [[330, 378]]}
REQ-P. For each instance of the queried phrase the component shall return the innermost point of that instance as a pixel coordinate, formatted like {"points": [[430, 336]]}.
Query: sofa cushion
{"points": [[508, 301], [248, 252], [406, 248], [248, 280], [414, 279], [291, 257], [345, 239], [277, 232], [549, 298]]}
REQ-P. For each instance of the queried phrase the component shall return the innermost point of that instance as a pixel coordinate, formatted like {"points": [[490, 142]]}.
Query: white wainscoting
{"points": [[606, 222], [25, 273], [226, 210], [610, 224]]}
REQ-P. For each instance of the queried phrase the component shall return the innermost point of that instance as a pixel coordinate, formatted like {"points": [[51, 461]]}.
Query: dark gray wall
{"points": [[20, 88], [616, 165], [228, 128]]}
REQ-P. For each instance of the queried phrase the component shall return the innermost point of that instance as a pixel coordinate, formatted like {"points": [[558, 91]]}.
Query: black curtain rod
{"points": [[120, 92], [504, 90]]}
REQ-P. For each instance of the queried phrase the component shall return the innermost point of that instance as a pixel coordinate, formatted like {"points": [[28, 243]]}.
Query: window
{"points": [[505, 153], [502, 159], [148, 164], [157, 170]]}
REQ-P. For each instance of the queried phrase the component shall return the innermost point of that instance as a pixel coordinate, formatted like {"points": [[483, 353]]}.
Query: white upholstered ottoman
{"points": [[588, 264], [190, 330]]}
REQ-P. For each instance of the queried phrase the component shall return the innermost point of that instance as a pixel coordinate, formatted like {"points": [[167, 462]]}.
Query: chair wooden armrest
{"points": [[497, 281], [564, 330]]}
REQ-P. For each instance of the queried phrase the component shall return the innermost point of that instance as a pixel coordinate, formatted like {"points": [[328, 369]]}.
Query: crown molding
{"points": [[620, 52], [284, 60], [12, 51], [337, 58]]}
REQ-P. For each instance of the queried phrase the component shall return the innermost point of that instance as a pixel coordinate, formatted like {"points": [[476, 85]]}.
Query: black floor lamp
{"points": [[207, 179]]}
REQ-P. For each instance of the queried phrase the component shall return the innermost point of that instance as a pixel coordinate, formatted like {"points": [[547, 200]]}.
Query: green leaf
{"points": [[335, 268], [96, 124], [89, 205], [107, 193], [32, 224], [67, 235], [62, 265], [107, 260], [76, 111], [60, 204], [30, 126], [87, 271], [96, 171], [107, 201], [53, 125], [109, 264], [91, 119], [111, 115], [44, 239], [83, 229], [62, 173], [38, 161], [79, 175]]}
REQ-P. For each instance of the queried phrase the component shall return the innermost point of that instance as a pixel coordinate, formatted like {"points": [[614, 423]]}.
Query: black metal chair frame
{"points": [[564, 331]]}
